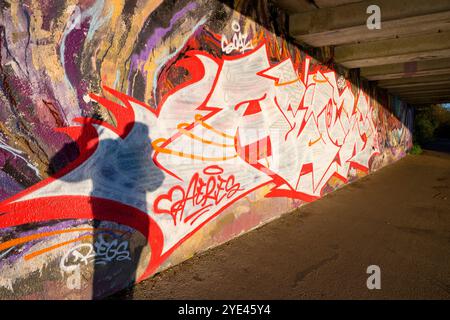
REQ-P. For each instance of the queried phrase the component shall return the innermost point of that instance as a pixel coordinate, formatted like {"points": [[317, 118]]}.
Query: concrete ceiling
{"points": [[409, 55]]}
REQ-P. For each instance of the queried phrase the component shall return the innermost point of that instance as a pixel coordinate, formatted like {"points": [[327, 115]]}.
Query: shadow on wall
{"points": [[124, 170]]}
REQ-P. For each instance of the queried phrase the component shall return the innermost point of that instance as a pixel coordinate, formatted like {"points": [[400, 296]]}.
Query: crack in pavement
{"points": [[302, 274]]}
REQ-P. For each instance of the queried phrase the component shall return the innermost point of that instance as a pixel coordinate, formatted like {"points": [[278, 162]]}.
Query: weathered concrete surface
{"points": [[397, 218], [412, 39], [347, 24], [407, 70], [399, 50], [415, 83]]}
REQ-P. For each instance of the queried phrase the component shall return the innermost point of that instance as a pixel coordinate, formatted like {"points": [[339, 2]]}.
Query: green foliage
{"points": [[431, 122], [424, 130], [416, 149]]}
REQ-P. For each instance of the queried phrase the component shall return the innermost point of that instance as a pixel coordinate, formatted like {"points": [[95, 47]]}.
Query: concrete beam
{"points": [[414, 82], [426, 93], [430, 93], [422, 94], [354, 14], [431, 100], [422, 88], [424, 47], [424, 104], [333, 3], [321, 27], [407, 70], [429, 85], [297, 6], [428, 23]]}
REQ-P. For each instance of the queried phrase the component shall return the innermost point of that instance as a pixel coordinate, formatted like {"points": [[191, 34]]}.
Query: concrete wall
{"points": [[135, 134]]}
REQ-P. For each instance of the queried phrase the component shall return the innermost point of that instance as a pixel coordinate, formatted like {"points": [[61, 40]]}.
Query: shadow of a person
{"points": [[124, 172]]}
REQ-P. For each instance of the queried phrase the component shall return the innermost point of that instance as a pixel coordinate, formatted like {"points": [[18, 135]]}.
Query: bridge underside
{"points": [[409, 56]]}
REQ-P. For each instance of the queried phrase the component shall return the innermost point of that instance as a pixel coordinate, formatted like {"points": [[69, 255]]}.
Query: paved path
{"points": [[397, 218]]}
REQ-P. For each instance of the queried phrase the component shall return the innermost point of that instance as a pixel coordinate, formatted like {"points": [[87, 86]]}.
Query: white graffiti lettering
{"points": [[101, 252], [238, 41]]}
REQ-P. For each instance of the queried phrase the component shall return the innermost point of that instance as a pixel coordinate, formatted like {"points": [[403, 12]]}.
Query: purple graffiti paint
{"points": [[155, 38]]}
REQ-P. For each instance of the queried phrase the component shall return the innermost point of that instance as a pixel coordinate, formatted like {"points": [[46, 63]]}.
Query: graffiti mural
{"points": [[135, 134]]}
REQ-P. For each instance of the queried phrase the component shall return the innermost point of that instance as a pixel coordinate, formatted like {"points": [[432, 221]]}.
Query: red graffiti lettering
{"points": [[201, 194]]}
